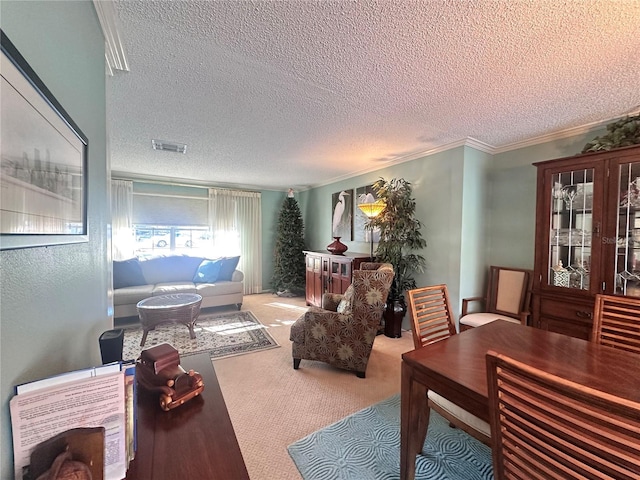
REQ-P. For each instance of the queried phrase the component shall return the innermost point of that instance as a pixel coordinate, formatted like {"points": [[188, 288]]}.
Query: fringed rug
{"points": [[366, 446], [220, 334]]}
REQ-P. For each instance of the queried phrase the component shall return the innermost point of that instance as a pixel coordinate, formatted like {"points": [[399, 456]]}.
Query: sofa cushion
{"points": [[208, 271], [219, 288], [166, 288], [132, 295], [127, 273], [172, 268], [229, 265]]}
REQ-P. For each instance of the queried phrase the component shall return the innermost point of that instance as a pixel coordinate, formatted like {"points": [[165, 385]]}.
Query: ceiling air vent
{"points": [[169, 146]]}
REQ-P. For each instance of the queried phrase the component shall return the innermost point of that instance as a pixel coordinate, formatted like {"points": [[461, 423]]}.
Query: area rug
{"points": [[219, 334], [366, 446]]}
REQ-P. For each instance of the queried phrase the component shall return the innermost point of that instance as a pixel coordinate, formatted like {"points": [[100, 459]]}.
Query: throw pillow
{"points": [[344, 307], [208, 271], [229, 265], [127, 273]]}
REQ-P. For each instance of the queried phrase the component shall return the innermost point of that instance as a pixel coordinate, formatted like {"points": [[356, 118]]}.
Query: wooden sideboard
{"points": [[329, 273], [195, 440]]}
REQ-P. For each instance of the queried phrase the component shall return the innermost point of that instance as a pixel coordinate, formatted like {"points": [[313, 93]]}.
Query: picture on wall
{"points": [[342, 214], [364, 194], [43, 161]]}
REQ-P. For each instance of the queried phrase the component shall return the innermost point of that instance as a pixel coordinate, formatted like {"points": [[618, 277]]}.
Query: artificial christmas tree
{"points": [[289, 267]]}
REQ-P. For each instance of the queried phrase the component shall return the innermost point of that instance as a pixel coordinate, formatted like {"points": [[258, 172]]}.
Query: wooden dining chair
{"points": [[508, 297], [430, 314], [616, 322], [546, 427], [432, 322]]}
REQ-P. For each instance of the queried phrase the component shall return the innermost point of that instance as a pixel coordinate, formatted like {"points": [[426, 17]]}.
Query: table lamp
{"points": [[372, 210]]}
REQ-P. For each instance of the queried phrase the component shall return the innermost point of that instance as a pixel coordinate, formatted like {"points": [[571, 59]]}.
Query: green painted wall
{"points": [[475, 215], [54, 300], [512, 198], [477, 210], [437, 187], [271, 205]]}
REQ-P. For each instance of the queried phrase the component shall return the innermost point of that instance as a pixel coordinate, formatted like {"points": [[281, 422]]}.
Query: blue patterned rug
{"points": [[366, 446]]}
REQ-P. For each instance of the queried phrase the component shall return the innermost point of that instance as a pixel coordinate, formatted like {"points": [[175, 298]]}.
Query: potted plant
{"points": [[400, 237]]}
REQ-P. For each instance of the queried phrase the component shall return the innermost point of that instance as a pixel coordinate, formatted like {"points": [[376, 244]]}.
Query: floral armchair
{"points": [[342, 332]]}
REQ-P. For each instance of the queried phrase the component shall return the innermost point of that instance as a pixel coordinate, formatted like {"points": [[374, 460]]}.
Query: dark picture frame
{"points": [[342, 214], [43, 161]]}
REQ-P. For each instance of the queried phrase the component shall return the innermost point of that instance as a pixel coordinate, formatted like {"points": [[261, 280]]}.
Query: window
{"points": [[159, 239], [170, 219]]}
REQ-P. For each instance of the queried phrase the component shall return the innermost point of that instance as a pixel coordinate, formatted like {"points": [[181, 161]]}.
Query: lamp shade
{"points": [[372, 210]]}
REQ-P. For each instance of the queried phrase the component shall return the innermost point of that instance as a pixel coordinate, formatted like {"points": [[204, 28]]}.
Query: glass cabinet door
{"points": [[571, 229], [627, 263]]}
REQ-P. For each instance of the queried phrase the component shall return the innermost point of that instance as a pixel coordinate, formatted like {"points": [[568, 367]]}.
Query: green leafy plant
{"points": [[622, 133], [289, 268], [400, 233]]}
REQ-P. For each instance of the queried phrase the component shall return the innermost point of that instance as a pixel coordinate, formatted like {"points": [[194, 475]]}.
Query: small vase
{"points": [[337, 247]]}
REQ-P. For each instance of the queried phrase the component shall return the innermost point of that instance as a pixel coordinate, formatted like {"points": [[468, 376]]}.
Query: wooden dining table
{"points": [[456, 369]]}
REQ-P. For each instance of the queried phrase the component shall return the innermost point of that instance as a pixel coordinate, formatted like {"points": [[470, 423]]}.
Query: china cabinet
{"points": [[587, 236], [329, 273]]}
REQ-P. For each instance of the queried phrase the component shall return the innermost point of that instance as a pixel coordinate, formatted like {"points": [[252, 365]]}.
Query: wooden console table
{"points": [[194, 441], [329, 273]]}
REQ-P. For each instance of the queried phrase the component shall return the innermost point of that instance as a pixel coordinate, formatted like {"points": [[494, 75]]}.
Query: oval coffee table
{"points": [[181, 308]]}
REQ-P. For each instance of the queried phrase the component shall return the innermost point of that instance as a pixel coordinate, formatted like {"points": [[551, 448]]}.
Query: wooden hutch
{"points": [[587, 236], [329, 273]]}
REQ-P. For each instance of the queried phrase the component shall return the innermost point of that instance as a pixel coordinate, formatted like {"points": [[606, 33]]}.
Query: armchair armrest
{"points": [[330, 301], [465, 303]]}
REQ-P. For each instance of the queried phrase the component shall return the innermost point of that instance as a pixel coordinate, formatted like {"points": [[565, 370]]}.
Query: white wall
{"points": [[53, 300]]}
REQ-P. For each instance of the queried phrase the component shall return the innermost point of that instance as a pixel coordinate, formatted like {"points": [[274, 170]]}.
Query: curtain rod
{"points": [[177, 184], [167, 195]]}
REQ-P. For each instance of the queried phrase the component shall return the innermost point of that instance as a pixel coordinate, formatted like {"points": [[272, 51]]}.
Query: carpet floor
{"points": [[366, 446], [272, 405], [221, 334]]}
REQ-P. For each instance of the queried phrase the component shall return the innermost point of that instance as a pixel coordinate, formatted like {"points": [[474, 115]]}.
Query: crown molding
{"points": [[113, 45], [562, 134]]}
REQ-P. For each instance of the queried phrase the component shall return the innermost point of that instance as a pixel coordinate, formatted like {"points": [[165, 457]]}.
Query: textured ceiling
{"points": [[293, 93]]}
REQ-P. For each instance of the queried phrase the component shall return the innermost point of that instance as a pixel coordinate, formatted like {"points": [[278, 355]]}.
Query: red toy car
{"points": [[158, 370]]}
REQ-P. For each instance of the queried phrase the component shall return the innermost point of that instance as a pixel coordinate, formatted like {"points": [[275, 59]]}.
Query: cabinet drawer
{"points": [[575, 312], [566, 327]]}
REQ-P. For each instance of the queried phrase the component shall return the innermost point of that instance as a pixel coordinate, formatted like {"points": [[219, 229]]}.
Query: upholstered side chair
{"points": [[508, 298], [341, 333]]}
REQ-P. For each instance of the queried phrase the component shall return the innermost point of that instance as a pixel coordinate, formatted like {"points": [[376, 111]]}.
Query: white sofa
{"points": [[135, 280]]}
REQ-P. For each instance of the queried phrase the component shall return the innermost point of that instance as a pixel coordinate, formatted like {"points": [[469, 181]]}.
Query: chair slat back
{"points": [[546, 427], [430, 314], [616, 322]]}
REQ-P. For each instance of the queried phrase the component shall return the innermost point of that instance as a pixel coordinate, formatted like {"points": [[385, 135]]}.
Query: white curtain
{"points": [[123, 242], [236, 224]]}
